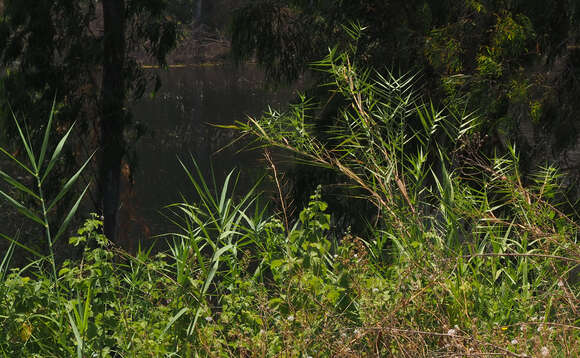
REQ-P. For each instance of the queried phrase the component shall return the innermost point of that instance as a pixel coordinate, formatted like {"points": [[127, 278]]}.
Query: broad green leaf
{"points": [[221, 251]]}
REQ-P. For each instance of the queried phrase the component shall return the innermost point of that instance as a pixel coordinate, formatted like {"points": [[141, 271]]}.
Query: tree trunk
{"points": [[112, 112]]}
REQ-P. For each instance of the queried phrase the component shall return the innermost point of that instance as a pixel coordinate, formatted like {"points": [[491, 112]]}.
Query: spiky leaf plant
{"points": [[39, 167], [466, 248]]}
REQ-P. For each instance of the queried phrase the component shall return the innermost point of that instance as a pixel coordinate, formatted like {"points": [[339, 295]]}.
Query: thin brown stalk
{"points": [[278, 187]]}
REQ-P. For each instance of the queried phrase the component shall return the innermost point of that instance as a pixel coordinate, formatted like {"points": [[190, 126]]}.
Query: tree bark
{"points": [[112, 112]]}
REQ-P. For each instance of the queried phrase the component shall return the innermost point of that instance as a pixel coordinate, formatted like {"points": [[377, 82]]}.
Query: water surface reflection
{"points": [[178, 122]]}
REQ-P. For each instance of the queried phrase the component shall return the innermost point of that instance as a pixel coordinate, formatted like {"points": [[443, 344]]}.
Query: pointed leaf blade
{"points": [[68, 184], [46, 135], [17, 185], [22, 209], [56, 153], [79, 340], [27, 146], [172, 321], [70, 214], [16, 161], [15, 242]]}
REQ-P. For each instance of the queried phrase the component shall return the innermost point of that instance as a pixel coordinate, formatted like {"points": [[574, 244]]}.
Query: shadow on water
{"points": [[178, 122]]}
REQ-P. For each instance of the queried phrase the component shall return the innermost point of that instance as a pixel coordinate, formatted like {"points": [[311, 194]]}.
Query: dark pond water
{"points": [[179, 124]]}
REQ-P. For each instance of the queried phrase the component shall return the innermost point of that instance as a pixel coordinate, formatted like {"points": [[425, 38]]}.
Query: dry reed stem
{"points": [[268, 158]]}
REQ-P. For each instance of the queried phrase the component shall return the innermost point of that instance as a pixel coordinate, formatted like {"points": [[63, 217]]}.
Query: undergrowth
{"points": [[463, 258]]}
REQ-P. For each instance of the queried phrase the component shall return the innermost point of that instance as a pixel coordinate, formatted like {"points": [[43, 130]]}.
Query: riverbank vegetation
{"points": [[420, 200], [462, 256]]}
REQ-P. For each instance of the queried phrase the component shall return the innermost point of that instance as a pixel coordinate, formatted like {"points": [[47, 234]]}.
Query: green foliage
{"points": [[215, 230], [322, 297], [512, 36], [468, 50], [39, 169], [465, 257], [471, 247], [54, 46], [444, 52], [286, 36]]}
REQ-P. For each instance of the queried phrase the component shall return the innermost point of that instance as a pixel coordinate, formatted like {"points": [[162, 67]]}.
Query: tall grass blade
{"points": [[17, 185], [22, 246], [12, 158], [22, 209], [69, 184], [27, 147], [196, 185], [5, 264], [206, 192], [172, 321], [70, 214], [224, 193], [78, 338], [86, 311], [56, 153], [46, 135], [215, 265]]}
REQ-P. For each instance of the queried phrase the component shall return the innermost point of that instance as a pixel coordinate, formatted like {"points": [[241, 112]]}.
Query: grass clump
{"points": [[464, 258]]}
